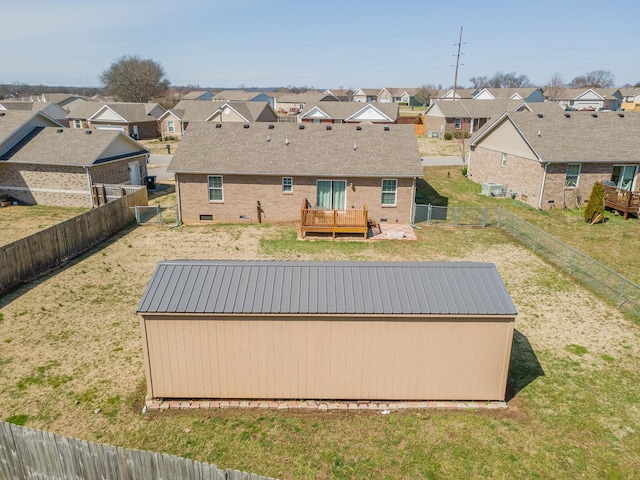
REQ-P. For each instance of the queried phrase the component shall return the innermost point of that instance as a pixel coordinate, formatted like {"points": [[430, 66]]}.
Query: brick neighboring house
{"points": [[138, 120], [44, 163], [349, 112], [529, 95], [225, 171], [553, 159], [467, 116], [587, 98], [175, 121]]}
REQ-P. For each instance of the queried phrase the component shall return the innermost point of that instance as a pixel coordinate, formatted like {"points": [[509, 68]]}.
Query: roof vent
{"points": [[1, 114], [87, 132], [246, 125], [386, 129], [567, 115], [218, 125], [301, 127], [358, 127], [271, 126], [355, 146], [594, 115], [328, 127], [286, 142], [59, 130], [540, 115], [621, 115], [268, 138]]}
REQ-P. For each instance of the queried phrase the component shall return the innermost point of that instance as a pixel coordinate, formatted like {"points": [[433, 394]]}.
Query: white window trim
{"points": [[287, 192], [503, 161], [395, 193], [457, 123], [171, 127], [77, 123], [576, 175], [209, 189]]}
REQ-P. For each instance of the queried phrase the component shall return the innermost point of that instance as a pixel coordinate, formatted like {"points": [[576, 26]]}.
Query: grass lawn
{"points": [[17, 222], [71, 345]]}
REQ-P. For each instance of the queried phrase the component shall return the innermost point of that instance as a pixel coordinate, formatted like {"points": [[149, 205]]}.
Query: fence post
{"points": [[159, 214], [573, 256], [455, 217], [484, 217], [429, 215], [621, 296]]}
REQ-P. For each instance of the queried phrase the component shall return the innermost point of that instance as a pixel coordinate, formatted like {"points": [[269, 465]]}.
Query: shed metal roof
{"points": [[374, 288]]}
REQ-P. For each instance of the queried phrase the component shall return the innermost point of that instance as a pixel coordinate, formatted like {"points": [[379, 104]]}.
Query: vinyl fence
{"points": [[30, 454], [25, 259], [591, 273]]}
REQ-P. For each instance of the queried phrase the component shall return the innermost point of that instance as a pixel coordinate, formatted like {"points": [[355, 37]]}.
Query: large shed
{"points": [[326, 330]]}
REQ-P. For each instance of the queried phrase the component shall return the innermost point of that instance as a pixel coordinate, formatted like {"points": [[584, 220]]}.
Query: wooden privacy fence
{"points": [[27, 453], [25, 259]]}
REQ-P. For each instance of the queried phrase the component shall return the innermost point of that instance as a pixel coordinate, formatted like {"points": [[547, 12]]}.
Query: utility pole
{"points": [[455, 78]]}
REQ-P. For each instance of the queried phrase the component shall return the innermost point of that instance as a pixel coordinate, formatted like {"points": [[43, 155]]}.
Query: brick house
{"points": [[137, 120], [229, 172], [41, 163], [349, 112], [553, 159]]}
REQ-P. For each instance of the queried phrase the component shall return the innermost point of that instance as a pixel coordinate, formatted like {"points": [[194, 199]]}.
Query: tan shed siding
{"points": [[116, 172], [324, 358], [507, 139], [241, 194]]}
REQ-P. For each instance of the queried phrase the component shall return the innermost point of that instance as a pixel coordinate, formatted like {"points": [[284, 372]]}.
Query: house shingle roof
{"points": [[197, 110], [576, 136], [299, 149], [67, 146], [357, 288], [131, 112], [343, 110]]}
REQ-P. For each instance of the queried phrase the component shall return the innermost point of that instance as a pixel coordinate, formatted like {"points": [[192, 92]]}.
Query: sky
{"points": [[318, 43]]}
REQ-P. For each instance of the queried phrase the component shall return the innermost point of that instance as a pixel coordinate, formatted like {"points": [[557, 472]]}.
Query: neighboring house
{"points": [[234, 95], [176, 120], [366, 95], [389, 331], [138, 120], [242, 172], [41, 163], [528, 95], [589, 99], [67, 101], [202, 95], [294, 103], [341, 94], [51, 110], [553, 159], [460, 94], [630, 99], [467, 116], [349, 112]]}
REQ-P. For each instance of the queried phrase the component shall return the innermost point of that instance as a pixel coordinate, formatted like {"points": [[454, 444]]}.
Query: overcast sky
{"points": [[321, 43]]}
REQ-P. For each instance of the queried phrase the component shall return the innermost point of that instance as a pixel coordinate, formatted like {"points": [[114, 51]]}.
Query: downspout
{"points": [[178, 206], [93, 205], [544, 180], [413, 203]]}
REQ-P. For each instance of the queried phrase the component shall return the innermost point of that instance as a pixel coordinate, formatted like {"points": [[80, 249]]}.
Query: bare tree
{"points": [[425, 93], [501, 80], [555, 86], [133, 79], [593, 79], [463, 145]]}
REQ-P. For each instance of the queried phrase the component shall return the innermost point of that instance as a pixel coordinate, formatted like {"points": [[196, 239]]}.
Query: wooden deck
{"points": [[621, 201], [315, 220]]}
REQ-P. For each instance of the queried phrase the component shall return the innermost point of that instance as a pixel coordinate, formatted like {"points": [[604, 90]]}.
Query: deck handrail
{"points": [[333, 221]]}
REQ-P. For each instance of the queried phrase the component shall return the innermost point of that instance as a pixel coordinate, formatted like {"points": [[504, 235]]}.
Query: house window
{"points": [[573, 172], [215, 188], [623, 175], [389, 191], [170, 126], [503, 162], [77, 124], [457, 123], [331, 194], [287, 184]]}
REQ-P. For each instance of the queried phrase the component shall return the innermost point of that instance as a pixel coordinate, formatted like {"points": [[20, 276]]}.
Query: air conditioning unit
{"points": [[491, 189], [433, 134]]}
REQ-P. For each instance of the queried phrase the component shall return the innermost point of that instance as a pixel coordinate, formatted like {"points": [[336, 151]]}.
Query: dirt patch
{"points": [[437, 147]]}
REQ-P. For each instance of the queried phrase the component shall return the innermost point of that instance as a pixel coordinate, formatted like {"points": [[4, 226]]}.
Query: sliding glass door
{"points": [[623, 176], [330, 194]]}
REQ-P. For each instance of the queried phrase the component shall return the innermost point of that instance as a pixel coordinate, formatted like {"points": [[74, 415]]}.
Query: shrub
{"points": [[595, 204], [448, 136]]}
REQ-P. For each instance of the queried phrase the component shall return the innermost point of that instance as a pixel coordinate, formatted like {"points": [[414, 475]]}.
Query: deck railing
{"points": [[621, 200], [317, 220]]}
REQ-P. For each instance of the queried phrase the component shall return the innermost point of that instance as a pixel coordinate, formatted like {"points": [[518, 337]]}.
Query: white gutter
{"points": [[93, 204], [544, 179]]}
